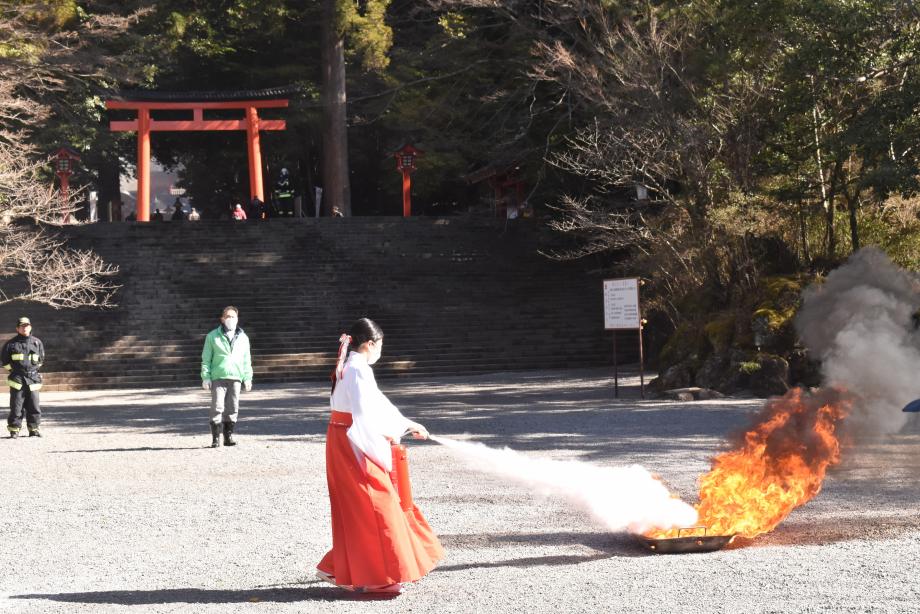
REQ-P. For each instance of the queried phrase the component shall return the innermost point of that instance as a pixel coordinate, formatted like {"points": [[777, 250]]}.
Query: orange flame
{"points": [[778, 466]]}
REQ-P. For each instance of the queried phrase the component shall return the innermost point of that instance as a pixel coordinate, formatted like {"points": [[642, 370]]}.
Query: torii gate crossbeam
{"points": [[145, 124]]}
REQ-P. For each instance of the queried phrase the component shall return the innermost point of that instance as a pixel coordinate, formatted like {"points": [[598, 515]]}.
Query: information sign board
{"points": [[621, 304]]}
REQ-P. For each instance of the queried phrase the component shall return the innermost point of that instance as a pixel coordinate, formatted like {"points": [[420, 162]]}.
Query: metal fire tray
{"points": [[689, 543]]}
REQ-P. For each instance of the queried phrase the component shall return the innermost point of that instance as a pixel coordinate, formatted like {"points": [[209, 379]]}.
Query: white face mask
{"points": [[376, 350], [230, 323]]}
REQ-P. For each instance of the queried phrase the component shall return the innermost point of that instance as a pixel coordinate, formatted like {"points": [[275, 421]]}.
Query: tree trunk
{"points": [[336, 184], [830, 232], [831, 226], [803, 229], [852, 206], [827, 201], [109, 187]]}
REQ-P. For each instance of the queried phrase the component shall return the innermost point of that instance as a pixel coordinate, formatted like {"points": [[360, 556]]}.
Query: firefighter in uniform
{"points": [[284, 194], [22, 357]]}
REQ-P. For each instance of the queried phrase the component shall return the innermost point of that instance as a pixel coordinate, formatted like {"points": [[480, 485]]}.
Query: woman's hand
{"points": [[418, 431]]}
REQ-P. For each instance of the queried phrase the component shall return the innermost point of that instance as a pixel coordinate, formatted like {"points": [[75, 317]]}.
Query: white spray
{"points": [[858, 322], [621, 498]]}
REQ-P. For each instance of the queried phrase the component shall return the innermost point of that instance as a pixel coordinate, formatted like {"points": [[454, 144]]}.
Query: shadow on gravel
{"points": [[265, 418], [838, 529], [605, 546], [213, 596], [575, 417], [144, 449], [533, 561]]}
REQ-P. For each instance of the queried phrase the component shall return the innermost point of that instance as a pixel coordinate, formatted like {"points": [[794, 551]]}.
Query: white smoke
{"points": [[858, 323], [621, 498]]}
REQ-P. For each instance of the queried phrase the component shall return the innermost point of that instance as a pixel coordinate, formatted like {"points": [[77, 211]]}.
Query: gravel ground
{"points": [[122, 507]]}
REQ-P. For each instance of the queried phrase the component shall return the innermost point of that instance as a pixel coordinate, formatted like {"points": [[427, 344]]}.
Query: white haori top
{"points": [[373, 417]]}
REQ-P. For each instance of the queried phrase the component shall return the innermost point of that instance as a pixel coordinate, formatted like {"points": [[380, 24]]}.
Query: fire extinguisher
{"points": [[400, 476]]}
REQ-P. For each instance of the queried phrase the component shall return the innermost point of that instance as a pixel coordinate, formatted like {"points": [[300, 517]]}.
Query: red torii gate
{"points": [[145, 124]]}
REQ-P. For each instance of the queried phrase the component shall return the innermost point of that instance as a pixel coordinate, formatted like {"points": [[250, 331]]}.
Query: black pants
{"points": [[28, 398]]}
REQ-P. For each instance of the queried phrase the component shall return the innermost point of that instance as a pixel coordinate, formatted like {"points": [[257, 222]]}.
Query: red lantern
{"points": [[64, 161]]}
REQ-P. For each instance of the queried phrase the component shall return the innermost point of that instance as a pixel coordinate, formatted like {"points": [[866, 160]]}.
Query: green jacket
{"points": [[222, 358]]}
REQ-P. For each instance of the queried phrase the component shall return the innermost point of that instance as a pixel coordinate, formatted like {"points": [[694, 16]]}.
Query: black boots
{"points": [[227, 428], [228, 433]]}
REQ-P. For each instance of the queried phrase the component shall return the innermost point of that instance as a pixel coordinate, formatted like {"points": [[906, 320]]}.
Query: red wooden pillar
{"points": [[145, 124], [407, 190], [65, 194], [405, 163], [497, 196], [143, 165], [65, 159], [255, 154]]}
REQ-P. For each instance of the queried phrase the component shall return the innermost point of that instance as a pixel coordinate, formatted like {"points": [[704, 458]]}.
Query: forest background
{"points": [[728, 152]]}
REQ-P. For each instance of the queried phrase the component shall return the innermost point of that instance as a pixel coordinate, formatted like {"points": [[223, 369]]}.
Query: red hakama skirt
{"points": [[374, 542]]}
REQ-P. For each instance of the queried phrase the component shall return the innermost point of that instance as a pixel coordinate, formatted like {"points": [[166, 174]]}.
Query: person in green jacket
{"points": [[226, 366]]}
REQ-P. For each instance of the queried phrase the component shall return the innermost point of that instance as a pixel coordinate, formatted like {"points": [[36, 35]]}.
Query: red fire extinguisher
{"points": [[400, 476]]}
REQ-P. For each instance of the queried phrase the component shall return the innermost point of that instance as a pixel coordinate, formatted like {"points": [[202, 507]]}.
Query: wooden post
{"points": [[407, 199], [641, 362], [65, 194], [255, 154], [143, 165], [145, 124], [616, 375]]}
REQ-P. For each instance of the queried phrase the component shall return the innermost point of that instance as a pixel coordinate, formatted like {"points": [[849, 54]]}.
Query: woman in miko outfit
{"points": [[376, 545]]}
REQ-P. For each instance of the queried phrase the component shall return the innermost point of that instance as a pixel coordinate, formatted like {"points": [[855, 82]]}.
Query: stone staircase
{"points": [[453, 296]]}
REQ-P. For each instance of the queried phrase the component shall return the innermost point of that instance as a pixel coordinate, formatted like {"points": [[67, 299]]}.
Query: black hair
{"points": [[361, 332], [364, 330]]}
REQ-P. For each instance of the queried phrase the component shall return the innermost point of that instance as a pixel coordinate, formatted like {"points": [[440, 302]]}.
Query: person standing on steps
{"points": [[178, 214], [257, 209], [284, 194], [226, 367], [22, 356]]}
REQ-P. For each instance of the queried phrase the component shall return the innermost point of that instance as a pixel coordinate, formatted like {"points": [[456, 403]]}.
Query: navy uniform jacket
{"points": [[23, 356], [283, 188]]}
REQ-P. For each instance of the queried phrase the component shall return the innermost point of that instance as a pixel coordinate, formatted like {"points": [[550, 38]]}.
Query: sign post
{"points": [[621, 312]]}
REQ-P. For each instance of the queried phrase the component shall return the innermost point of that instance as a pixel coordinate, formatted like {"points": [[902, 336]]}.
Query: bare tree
{"points": [[41, 58], [659, 123], [30, 250]]}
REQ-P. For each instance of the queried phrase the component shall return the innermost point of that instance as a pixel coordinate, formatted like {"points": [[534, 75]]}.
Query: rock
{"points": [[772, 378], [706, 394], [803, 371], [678, 376], [714, 372], [680, 394], [692, 393], [720, 331], [685, 346]]}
